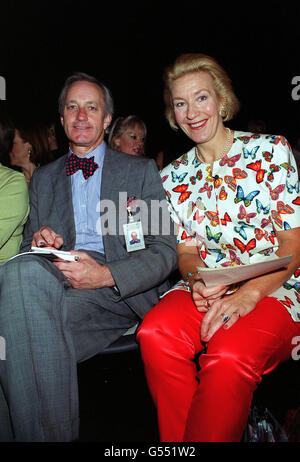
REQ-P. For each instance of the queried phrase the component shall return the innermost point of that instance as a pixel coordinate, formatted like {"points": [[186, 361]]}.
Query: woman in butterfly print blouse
{"points": [[235, 200]]}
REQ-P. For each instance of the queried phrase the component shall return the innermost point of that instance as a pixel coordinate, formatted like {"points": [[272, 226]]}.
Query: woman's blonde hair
{"points": [[121, 125], [194, 62]]}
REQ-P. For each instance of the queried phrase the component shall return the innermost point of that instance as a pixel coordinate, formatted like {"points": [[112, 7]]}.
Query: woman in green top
{"points": [[14, 202]]}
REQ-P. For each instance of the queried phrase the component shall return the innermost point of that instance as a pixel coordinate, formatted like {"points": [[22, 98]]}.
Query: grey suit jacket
{"points": [[141, 276]]}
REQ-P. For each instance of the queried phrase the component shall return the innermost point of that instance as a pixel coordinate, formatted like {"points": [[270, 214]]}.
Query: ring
{"points": [[225, 318]]}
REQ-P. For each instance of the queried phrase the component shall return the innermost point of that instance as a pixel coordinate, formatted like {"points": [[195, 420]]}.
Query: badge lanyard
{"points": [[133, 230]]}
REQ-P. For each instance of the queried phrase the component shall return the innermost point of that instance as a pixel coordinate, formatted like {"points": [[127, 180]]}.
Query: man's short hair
{"points": [[82, 77]]}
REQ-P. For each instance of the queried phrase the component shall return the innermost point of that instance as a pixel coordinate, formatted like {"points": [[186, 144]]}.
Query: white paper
{"points": [[48, 253], [232, 274]]}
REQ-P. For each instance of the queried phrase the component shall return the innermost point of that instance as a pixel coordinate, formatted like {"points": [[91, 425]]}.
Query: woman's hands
{"points": [[227, 310], [204, 296]]}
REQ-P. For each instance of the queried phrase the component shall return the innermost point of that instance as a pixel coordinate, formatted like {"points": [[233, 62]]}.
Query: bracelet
{"points": [[188, 277]]}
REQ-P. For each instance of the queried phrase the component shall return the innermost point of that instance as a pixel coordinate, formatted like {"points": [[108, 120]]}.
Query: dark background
{"points": [[127, 45]]}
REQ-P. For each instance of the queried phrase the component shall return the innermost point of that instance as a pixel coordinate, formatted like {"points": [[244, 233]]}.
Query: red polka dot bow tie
{"points": [[75, 163]]}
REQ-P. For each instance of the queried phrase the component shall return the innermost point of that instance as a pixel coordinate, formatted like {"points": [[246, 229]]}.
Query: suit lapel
{"points": [[63, 202], [114, 181]]}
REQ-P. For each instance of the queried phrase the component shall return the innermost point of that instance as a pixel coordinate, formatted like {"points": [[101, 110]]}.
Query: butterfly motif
{"points": [[291, 187], [272, 236], [209, 176], [225, 219], [246, 139], [223, 194], [206, 188], [234, 260], [265, 222], [273, 168], [184, 194], [276, 139], [198, 176], [289, 168], [182, 161], [244, 247], [178, 178], [238, 174], [261, 208], [227, 246], [190, 210], [204, 253], [241, 229], [197, 217], [243, 215], [185, 237], [273, 139], [295, 286], [296, 201], [274, 193], [210, 236], [281, 209], [268, 156], [230, 161], [220, 255], [217, 181], [297, 273], [260, 173], [259, 234], [251, 153], [246, 199], [213, 217], [287, 302], [196, 162], [266, 252]]}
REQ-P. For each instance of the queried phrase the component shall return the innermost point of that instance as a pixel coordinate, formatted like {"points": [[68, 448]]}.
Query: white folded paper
{"points": [[49, 253], [232, 274]]}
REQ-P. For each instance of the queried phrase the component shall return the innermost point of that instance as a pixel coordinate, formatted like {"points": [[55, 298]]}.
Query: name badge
{"points": [[133, 231]]}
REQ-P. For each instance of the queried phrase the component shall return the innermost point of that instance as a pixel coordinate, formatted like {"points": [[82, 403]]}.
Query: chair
{"points": [[123, 344], [115, 403]]}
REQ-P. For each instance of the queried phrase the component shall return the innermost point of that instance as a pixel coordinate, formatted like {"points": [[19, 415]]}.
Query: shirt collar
{"points": [[98, 152]]}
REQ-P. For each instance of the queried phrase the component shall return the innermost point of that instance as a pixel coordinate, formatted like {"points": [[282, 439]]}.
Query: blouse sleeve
{"points": [[14, 205], [283, 185]]}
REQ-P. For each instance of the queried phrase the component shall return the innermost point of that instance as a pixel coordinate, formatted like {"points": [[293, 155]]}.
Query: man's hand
{"points": [[46, 237], [85, 273]]}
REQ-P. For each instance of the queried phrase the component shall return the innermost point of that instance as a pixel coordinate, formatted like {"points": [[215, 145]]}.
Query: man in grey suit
{"points": [[55, 314]]}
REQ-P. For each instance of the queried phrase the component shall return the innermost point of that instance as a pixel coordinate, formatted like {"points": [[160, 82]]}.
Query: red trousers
{"points": [[211, 405]]}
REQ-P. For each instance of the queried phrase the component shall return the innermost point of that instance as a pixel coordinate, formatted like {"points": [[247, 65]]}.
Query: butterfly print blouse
{"points": [[231, 210]]}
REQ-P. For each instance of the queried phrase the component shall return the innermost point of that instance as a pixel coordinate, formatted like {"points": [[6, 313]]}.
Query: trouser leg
{"points": [[39, 361], [38, 323], [215, 408], [169, 338], [232, 368]]}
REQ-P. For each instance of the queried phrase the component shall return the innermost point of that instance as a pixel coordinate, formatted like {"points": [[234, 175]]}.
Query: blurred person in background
{"points": [[30, 148], [14, 203], [128, 134]]}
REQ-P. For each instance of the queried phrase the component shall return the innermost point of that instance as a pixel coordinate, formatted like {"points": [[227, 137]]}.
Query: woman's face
{"points": [[131, 141], [196, 106], [19, 154]]}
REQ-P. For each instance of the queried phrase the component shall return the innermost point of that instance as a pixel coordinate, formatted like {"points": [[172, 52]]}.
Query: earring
{"points": [[29, 153], [223, 112]]}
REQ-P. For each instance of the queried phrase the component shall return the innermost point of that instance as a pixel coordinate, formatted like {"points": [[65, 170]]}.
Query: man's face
{"points": [[84, 118]]}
